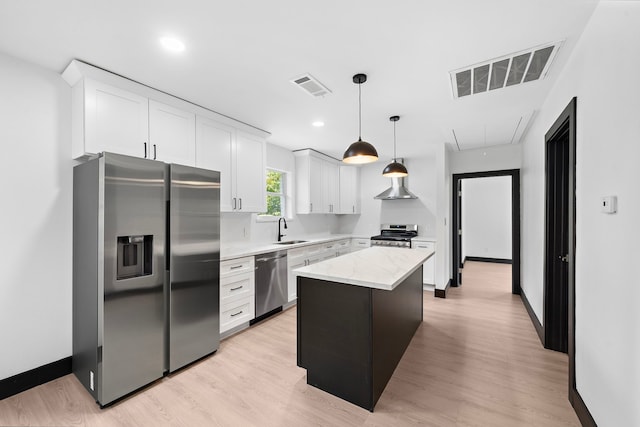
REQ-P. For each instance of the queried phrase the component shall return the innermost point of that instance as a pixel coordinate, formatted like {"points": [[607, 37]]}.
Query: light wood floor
{"points": [[475, 361]]}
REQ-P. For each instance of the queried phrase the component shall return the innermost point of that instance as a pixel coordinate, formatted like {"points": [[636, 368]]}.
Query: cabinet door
{"points": [[349, 190], [115, 120], [172, 134], [330, 187], [213, 151], [316, 202], [250, 173], [293, 263], [428, 268]]}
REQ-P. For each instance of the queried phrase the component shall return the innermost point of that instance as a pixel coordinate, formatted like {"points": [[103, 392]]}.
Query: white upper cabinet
{"points": [[172, 134], [323, 185], [250, 173], [113, 113], [106, 118], [331, 189], [317, 183], [349, 190], [240, 158], [214, 143]]}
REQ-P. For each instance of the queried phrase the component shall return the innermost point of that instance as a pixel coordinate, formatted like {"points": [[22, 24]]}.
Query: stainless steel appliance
{"points": [[120, 264], [271, 282], [395, 235], [193, 263], [398, 189]]}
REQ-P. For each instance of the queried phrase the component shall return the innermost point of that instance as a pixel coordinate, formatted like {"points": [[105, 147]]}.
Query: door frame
{"points": [[567, 117], [515, 223]]}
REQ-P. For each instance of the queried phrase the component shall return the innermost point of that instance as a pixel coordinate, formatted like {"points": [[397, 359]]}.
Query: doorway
{"points": [[559, 280], [456, 238]]}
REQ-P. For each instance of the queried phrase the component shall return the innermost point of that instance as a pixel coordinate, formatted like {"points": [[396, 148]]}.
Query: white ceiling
{"points": [[241, 55]]}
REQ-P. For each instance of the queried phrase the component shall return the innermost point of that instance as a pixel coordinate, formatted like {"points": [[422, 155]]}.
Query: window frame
{"points": [[284, 195]]}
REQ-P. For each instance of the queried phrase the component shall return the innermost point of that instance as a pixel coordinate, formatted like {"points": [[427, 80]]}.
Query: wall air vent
{"points": [[517, 68], [311, 85]]}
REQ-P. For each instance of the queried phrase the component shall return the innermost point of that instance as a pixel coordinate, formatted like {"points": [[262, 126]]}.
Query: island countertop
{"points": [[375, 267]]}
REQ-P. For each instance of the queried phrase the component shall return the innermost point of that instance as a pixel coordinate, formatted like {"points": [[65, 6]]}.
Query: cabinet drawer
{"points": [[298, 252], [342, 244], [234, 266], [236, 313], [423, 245], [236, 287], [315, 249], [360, 243]]}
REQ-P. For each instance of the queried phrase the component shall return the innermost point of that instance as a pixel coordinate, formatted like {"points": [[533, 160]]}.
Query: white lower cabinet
{"points": [[360, 243], [428, 268], [237, 292], [309, 255]]}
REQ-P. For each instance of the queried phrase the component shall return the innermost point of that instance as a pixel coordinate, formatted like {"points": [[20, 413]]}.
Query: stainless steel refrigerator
{"points": [[140, 263], [193, 271]]}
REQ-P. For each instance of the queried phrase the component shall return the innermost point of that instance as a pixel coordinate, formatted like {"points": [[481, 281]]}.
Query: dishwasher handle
{"points": [[265, 259]]}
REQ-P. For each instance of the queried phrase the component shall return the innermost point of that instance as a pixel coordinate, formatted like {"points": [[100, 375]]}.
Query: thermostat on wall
{"points": [[608, 204]]}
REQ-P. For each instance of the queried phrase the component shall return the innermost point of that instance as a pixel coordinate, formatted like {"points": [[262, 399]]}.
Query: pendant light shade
{"points": [[395, 169], [360, 151]]}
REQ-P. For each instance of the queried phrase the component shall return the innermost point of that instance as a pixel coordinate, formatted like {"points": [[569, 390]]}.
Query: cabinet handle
{"points": [[240, 200], [235, 289], [235, 267], [154, 152], [353, 209], [145, 150], [234, 315], [234, 203]]}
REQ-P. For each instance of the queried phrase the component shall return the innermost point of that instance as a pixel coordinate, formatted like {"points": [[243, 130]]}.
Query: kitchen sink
{"points": [[291, 242]]}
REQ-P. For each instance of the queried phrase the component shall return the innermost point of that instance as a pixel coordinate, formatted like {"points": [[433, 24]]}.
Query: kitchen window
{"points": [[277, 200]]}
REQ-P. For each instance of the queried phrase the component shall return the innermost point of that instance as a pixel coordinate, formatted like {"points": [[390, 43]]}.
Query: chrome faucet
{"points": [[280, 235]]}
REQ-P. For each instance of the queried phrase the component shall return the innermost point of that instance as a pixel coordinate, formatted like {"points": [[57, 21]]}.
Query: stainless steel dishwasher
{"points": [[271, 282]]}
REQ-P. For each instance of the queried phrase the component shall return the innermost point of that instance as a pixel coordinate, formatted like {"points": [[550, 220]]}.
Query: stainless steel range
{"points": [[395, 235]]}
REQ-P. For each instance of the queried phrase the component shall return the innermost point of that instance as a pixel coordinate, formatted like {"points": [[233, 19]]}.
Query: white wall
{"points": [[36, 217], [498, 157], [243, 227], [421, 182], [486, 217], [603, 73], [443, 216]]}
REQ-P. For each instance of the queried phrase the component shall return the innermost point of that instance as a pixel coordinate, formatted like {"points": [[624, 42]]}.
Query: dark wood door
{"points": [[558, 193], [460, 263]]}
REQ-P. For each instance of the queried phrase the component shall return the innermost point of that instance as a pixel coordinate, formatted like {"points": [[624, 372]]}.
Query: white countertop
{"points": [[376, 267], [238, 250]]}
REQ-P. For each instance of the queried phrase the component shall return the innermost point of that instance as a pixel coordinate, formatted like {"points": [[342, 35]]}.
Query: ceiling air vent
{"points": [[311, 85], [520, 67]]}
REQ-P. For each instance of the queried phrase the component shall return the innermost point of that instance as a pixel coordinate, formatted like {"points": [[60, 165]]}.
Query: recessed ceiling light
{"points": [[318, 124], [172, 44]]}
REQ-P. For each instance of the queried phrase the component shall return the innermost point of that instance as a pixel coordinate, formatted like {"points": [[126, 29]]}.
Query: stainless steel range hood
{"points": [[397, 191]]}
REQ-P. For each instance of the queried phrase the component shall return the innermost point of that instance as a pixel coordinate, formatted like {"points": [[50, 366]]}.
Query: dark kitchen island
{"points": [[356, 316]]}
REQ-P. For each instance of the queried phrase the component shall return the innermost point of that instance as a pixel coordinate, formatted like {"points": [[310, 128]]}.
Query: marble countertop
{"points": [[376, 267], [238, 250]]}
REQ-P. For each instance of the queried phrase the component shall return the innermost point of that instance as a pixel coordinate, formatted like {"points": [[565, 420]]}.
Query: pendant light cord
{"points": [[394, 141], [359, 111]]}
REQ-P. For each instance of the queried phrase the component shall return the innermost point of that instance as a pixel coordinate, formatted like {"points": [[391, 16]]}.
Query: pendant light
{"points": [[360, 151], [394, 169]]}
